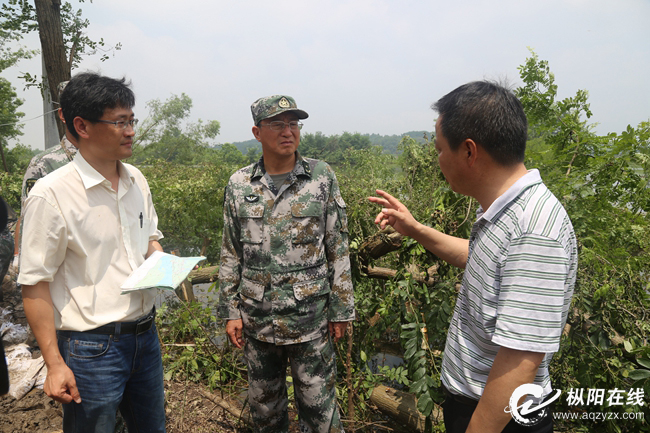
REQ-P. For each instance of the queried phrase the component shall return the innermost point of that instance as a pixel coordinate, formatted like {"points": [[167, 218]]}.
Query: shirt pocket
{"points": [[307, 289], [143, 229], [307, 222], [251, 217], [252, 289]]}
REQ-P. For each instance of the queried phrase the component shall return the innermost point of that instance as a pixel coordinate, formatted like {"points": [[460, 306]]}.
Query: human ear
{"points": [[471, 151], [81, 127], [256, 133]]}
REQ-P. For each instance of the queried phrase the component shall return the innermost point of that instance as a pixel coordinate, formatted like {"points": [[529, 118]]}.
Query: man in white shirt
{"points": [[87, 226], [520, 262]]}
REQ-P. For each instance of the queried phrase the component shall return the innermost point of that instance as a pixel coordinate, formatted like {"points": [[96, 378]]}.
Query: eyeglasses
{"points": [[279, 125], [120, 124]]}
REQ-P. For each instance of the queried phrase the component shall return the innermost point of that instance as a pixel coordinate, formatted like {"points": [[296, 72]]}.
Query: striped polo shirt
{"points": [[517, 286]]}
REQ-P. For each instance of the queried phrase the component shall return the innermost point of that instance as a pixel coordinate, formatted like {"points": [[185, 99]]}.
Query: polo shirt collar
{"points": [[91, 177], [526, 181]]}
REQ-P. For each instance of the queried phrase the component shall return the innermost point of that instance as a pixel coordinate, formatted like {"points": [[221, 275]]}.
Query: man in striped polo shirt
{"points": [[520, 261]]}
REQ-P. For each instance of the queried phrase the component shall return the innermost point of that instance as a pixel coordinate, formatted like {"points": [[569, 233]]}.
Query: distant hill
{"points": [[387, 142]]}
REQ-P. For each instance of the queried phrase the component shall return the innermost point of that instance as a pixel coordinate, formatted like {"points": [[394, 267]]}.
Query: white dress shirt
{"points": [[85, 239]]}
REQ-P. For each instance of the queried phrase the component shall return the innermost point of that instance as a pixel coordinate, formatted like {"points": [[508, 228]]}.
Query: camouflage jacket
{"points": [[46, 162], [285, 267]]}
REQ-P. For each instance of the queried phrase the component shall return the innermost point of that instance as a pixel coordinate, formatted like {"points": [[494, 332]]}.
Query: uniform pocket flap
{"points": [[251, 210], [252, 289], [311, 288], [308, 209]]}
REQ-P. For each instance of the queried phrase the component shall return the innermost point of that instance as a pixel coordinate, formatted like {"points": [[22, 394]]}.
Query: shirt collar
{"points": [[301, 168], [91, 177], [526, 181]]}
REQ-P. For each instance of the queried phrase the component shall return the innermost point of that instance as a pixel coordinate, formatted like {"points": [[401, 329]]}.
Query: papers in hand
{"points": [[160, 270]]}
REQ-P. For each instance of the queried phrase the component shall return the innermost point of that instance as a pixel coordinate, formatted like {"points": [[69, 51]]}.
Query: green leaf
{"points": [[425, 404], [639, 374], [628, 346], [419, 373], [644, 362]]}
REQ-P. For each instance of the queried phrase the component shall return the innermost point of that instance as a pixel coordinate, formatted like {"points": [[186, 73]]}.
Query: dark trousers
{"points": [[458, 410]]}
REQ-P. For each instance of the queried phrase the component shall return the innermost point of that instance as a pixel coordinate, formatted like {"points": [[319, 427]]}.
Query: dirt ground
{"points": [[188, 411]]}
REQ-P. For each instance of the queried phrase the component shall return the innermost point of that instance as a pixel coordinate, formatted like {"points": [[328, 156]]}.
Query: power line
{"points": [[28, 120]]}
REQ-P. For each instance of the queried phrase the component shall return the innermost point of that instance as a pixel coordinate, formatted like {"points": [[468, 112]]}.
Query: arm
{"points": [[341, 308], [511, 368], [451, 249], [153, 246], [60, 382], [230, 272]]}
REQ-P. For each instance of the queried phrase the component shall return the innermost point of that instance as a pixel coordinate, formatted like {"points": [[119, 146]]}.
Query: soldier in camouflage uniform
{"points": [[50, 159], [46, 162], [285, 273]]}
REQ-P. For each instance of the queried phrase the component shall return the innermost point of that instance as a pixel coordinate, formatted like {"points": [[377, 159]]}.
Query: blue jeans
{"points": [[114, 371]]}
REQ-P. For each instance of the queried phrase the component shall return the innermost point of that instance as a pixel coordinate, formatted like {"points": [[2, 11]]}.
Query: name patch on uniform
{"points": [[252, 198]]}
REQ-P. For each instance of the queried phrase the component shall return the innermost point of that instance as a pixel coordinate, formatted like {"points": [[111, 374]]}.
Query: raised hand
{"points": [[394, 213]]}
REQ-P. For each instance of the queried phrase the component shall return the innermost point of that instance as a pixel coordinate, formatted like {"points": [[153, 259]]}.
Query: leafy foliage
{"points": [[18, 17], [9, 126], [188, 200], [162, 135], [189, 349], [603, 183]]}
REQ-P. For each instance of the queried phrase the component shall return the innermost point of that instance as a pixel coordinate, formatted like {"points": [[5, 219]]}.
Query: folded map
{"points": [[160, 270]]}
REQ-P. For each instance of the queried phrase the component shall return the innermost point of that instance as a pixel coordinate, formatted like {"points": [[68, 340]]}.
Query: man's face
{"points": [[281, 143], [109, 142], [449, 160]]}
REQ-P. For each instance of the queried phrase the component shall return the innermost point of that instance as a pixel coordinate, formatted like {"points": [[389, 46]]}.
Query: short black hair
{"points": [[489, 114], [89, 94]]}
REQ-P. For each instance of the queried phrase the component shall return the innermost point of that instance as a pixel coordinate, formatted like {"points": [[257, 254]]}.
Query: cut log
{"points": [[380, 244], [388, 274], [401, 406], [185, 291], [204, 275], [384, 242]]}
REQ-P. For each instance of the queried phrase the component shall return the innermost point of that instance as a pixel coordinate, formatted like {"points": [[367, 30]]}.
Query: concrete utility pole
{"points": [[50, 128], [56, 66]]}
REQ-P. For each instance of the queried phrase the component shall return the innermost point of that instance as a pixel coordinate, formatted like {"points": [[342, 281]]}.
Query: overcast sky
{"points": [[368, 66]]}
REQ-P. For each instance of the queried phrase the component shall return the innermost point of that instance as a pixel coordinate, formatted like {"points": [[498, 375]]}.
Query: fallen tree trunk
{"points": [[384, 242], [204, 275], [399, 405]]}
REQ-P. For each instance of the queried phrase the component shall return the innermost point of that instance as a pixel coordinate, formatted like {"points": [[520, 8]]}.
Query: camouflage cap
{"points": [[270, 106], [61, 86]]}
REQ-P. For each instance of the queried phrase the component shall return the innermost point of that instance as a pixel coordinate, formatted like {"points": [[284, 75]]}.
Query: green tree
{"points": [[603, 183], [9, 101], [166, 135], [9, 116], [63, 40], [331, 149]]}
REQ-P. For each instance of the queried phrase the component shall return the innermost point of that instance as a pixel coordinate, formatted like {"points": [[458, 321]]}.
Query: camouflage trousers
{"points": [[313, 368]]}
